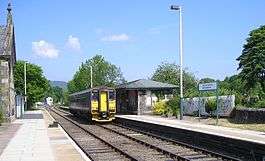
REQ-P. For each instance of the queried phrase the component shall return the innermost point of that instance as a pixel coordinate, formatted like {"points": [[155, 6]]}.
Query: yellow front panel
{"points": [[103, 101], [112, 105], [94, 105]]}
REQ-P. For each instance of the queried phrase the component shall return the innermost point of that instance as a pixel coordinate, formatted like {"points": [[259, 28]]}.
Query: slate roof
{"points": [[145, 84], [2, 39]]}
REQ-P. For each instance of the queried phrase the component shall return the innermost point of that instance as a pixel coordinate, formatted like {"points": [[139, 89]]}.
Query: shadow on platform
{"points": [[32, 116]]}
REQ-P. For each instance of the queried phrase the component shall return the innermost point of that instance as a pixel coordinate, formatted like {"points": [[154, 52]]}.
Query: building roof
{"points": [[2, 39], [7, 39], [145, 84], [94, 88]]}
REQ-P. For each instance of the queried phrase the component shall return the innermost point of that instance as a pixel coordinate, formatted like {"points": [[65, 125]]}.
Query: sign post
{"points": [[204, 87], [217, 108]]}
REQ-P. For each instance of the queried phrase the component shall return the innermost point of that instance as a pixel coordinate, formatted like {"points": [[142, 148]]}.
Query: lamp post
{"points": [[91, 76], [91, 71], [179, 8], [25, 83]]}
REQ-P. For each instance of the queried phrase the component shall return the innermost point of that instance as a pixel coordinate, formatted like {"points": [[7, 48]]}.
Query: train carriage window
{"points": [[95, 95], [112, 95]]}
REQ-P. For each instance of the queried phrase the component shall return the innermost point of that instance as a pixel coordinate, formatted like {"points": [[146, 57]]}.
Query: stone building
{"points": [[7, 62], [138, 97]]}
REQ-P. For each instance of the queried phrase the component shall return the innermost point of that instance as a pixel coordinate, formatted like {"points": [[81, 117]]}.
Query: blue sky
{"points": [[135, 35]]}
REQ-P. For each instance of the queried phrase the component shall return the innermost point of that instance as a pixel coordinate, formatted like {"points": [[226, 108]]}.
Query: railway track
{"points": [[167, 145], [135, 145], [95, 148]]}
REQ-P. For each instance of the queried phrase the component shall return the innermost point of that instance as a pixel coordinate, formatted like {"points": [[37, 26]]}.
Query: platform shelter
{"points": [[139, 96]]}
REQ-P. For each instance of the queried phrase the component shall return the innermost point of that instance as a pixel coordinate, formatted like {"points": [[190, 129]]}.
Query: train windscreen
{"points": [[112, 95], [95, 96]]}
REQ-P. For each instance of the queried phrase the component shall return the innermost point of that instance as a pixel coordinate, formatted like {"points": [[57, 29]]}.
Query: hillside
{"points": [[61, 84]]}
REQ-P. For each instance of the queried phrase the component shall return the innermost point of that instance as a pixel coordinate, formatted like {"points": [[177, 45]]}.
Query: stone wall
{"points": [[7, 62], [192, 105], [146, 102], [249, 115], [5, 87]]}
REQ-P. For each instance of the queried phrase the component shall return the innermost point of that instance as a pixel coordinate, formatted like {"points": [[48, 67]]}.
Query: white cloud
{"points": [[154, 30], [45, 49], [73, 43], [120, 37]]}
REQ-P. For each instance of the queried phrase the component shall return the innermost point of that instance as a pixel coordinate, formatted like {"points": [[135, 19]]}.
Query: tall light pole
{"points": [[91, 76], [179, 8], [25, 83], [91, 71]]}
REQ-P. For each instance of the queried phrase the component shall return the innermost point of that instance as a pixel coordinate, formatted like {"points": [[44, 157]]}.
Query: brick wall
{"points": [[249, 115]]}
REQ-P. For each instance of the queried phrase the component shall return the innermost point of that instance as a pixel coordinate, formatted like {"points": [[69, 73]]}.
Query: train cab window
{"points": [[94, 96], [112, 95]]}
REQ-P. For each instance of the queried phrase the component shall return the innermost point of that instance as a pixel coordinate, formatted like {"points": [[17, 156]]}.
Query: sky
{"points": [[135, 35]]}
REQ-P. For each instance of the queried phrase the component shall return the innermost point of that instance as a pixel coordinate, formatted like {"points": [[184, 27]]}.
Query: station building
{"points": [[7, 62], [139, 96]]}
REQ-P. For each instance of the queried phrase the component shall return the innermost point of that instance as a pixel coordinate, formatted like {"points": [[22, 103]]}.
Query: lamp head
{"points": [[175, 7]]}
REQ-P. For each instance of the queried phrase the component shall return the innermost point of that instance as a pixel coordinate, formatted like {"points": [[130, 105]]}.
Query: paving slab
{"points": [[30, 142], [63, 147], [7, 131], [34, 141], [248, 135]]}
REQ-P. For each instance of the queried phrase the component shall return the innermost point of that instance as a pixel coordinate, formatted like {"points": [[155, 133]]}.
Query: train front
{"points": [[103, 104]]}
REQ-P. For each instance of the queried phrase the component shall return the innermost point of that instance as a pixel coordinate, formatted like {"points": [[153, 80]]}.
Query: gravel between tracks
{"points": [[162, 144], [94, 148], [135, 144]]}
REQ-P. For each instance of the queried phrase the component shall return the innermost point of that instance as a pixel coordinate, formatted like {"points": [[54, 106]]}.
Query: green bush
{"points": [[239, 99], [260, 104], [1, 116], [173, 105], [168, 108], [160, 108], [210, 105], [251, 101]]}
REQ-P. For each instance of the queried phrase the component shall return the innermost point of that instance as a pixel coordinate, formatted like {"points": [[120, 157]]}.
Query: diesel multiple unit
{"points": [[98, 104]]}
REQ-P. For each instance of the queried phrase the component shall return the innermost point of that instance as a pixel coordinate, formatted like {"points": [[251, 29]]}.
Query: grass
{"points": [[227, 122], [231, 124], [1, 117]]}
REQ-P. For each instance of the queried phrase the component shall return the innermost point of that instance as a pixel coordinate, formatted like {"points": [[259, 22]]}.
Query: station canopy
{"points": [[145, 84]]}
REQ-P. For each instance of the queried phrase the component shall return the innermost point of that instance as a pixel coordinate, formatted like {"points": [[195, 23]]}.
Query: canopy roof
{"points": [[145, 84]]}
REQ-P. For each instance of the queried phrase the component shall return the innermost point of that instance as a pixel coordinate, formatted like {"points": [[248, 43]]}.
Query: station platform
{"points": [[31, 139], [233, 133]]}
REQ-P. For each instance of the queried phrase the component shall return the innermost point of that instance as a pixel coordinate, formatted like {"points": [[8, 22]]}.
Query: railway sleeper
{"points": [[69, 129], [164, 137]]}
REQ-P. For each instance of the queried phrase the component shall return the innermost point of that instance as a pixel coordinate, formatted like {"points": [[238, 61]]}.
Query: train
{"points": [[97, 104]]}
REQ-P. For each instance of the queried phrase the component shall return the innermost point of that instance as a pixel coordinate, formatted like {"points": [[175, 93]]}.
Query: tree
{"points": [[207, 80], [104, 73], [66, 98], [37, 84], [170, 73], [252, 60], [57, 94], [233, 83]]}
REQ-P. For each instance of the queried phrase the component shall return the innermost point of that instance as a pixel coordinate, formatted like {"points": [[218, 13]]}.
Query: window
{"points": [[95, 95], [5, 80], [4, 64], [112, 95]]}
